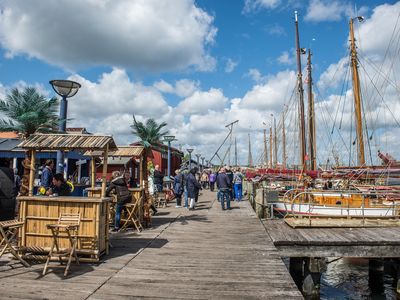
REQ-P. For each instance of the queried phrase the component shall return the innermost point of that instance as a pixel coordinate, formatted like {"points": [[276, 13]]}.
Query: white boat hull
{"points": [[315, 209]]}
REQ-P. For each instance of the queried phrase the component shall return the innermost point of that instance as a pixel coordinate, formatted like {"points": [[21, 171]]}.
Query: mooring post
{"points": [[260, 203], [313, 269], [296, 267], [375, 275]]}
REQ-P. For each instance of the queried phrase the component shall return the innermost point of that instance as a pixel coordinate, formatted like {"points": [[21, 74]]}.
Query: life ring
{"points": [[71, 186]]}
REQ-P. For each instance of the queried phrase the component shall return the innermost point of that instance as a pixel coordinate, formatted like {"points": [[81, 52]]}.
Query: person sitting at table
{"points": [[119, 184], [59, 186]]}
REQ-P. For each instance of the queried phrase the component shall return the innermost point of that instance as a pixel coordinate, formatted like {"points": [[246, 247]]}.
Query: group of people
{"points": [[53, 184], [187, 186], [229, 184]]}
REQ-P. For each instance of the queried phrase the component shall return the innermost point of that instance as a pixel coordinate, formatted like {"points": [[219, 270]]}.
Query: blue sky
{"points": [[195, 64]]}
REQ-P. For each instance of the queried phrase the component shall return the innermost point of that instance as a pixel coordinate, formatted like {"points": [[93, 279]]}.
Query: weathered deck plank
{"points": [[204, 254]]}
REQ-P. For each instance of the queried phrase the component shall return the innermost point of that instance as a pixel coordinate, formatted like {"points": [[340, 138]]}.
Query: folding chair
{"points": [[8, 234], [69, 224], [132, 218]]}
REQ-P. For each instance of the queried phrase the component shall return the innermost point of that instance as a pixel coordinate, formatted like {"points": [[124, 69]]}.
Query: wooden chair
{"points": [[68, 224], [132, 210], [8, 235]]}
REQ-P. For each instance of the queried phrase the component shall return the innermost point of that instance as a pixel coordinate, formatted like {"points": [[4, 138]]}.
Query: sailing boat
{"points": [[361, 202]]}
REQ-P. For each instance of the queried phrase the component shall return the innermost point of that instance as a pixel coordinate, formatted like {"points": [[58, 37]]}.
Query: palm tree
{"points": [[150, 133], [28, 112]]}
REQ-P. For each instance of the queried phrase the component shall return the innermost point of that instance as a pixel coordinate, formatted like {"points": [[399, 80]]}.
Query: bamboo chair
{"points": [[68, 224], [132, 210], [8, 234]]}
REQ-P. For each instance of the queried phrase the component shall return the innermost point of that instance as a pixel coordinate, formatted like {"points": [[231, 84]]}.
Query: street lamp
{"points": [[198, 158], [202, 162], [190, 157], [207, 163], [66, 89], [169, 139]]}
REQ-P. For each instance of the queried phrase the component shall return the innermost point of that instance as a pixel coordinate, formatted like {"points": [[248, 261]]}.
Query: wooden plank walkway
{"points": [[201, 254], [334, 242]]}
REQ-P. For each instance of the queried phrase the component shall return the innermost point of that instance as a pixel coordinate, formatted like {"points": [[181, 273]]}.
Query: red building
{"points": [[160, 157]]}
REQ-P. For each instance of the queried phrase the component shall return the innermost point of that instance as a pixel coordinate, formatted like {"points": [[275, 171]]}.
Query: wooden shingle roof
{"points": [[68, 142], [122, 151]]}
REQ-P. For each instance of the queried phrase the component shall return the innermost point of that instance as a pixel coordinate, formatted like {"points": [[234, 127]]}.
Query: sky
{"points": [[199, 65]]}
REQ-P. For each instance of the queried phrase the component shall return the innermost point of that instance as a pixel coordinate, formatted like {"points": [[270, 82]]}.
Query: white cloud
{"points": [[203, 102], [182, 88], [271, 95], [252, 5], [275, 29], [141, 34], [326, 10], [285, 58], [230, 65], [255, 75]]}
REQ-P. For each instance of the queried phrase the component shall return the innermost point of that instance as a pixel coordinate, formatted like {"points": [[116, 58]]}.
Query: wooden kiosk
{"points": [[132, 152], [38, 211]]}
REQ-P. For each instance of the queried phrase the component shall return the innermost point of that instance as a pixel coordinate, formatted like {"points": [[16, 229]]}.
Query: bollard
{"points": [[375, 275], [296, 266], [259, 200]]}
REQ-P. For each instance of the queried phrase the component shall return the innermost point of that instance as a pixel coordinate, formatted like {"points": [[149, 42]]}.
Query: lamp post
{"points": [[207, 163], [169, 139], [66, 89], [202, 163], [190, 157], [198, 159]]}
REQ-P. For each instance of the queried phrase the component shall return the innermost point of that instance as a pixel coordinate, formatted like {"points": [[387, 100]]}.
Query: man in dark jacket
{"points": [[7, 195], [158, 179], [193, 187], [224, 186], [47, 174], [229, 173], [119, 184], [178, 188], [59, 186]]}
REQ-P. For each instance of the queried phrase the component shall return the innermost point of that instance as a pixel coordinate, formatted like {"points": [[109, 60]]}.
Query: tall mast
{"points": [[236, 160], [357, 96], [303, 146], [283, 140], [275, 145], [250, 158], [270, 147], [265, 149], [311, 117]]}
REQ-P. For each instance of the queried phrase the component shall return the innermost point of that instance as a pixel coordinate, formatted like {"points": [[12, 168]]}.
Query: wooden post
{"points": [[32, 173], [260, 203], [104, 176], [312, 276], [93, 170], [296, 266], [375, 275]]}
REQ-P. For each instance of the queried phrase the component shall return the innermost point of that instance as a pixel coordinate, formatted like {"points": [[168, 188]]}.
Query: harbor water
{"points": [[348, 278]]}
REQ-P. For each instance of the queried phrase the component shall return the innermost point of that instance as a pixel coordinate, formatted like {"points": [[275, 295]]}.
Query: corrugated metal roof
{"points": [[122, 151], [68, 142], [8, 144]]}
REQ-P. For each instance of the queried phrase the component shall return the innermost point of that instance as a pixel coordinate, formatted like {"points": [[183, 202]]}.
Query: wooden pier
{"points": [[382, 242], [203, 254]]}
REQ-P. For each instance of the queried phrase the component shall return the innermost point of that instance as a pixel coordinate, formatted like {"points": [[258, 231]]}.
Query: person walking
{"points": [[237, 184], [178, 188], [229, 173], [193, 187], [224, 186], [212, 178], [204, 179]]}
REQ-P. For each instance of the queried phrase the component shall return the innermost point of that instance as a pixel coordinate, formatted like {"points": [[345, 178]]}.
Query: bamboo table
{"points": [[93, 236]]}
